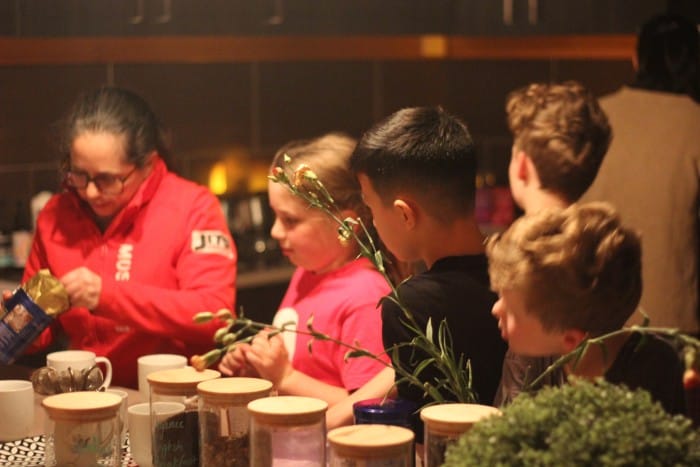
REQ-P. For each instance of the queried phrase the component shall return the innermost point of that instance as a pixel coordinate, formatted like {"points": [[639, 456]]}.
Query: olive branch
{"points": [[689, 348], [455, 374]]}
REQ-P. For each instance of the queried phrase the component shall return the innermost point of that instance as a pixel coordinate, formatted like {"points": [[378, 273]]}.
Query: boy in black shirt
{"points": [[417, 170]]}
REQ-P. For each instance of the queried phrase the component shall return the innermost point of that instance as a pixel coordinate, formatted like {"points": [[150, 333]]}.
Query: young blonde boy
{"points": [[560, 136], [564, 275]]}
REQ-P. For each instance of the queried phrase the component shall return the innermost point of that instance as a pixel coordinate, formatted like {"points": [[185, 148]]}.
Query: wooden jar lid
{"points": [[370, 441], [288, 410], [179, 381], [235, 391], [82, 406], [454, 419]]}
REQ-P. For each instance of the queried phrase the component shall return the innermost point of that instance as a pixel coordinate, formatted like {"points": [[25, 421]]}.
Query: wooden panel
{"points": [[301, 100], [7, 17], [206, 106], [214, 49], [601, 77], [32, 99], [409, 84]]}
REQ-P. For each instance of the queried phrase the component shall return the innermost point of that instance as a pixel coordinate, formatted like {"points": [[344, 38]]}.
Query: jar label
{"points": [[83, 444], [176, 441]]}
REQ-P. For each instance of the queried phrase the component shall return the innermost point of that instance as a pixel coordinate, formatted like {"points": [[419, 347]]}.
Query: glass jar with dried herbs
{"points": [[175, 440], [224, 419]]}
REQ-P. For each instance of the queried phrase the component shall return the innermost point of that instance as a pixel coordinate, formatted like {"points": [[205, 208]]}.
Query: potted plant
{"points": [[583, 424]]}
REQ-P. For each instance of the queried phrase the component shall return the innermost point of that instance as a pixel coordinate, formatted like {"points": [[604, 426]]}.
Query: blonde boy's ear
{"points": [[407, 214], [526, 172], [572, 338], [522, 165]]}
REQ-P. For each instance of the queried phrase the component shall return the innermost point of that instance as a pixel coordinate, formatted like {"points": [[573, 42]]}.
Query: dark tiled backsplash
{"points": [[255, 108]]}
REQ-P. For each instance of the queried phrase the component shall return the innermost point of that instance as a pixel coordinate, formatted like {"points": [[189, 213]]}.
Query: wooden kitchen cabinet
{"points": [[545, 17], [71, 18]]}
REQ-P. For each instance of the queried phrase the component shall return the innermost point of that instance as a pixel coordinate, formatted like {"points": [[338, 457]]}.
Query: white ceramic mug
{"points": [[156, 362], [16, 409], [78, 360], [140, 427]]}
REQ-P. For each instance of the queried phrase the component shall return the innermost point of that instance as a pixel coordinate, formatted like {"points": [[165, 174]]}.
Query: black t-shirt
{"points": [[653, 365], [456, 289]]}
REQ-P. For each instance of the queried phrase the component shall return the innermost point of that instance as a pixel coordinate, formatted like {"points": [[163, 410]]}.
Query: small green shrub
{"points": [[581, 424]]}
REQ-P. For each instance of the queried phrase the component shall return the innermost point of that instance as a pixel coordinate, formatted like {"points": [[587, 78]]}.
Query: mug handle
{"points": [[108, 371]]}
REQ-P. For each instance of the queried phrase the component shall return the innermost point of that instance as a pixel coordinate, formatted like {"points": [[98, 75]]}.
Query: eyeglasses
{"points": [[106, 183]]}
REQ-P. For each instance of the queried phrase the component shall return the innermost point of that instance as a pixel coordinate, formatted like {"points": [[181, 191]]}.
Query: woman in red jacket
{"points": [[139, 249]]}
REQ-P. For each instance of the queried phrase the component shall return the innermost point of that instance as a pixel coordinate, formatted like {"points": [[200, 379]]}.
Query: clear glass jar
{"points": [[175, 439], [287, 431], [82, 429], [444, 423], [224, 419], [370, 446]]}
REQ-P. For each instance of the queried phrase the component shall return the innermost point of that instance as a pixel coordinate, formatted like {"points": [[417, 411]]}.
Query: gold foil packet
{"points": [[47, 292]]}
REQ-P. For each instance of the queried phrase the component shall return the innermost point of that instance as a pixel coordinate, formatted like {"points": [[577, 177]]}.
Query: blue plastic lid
{"points": [[385, 411]]}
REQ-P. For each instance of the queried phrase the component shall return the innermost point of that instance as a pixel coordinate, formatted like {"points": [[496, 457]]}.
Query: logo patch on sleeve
{"points": [[211, 241]]}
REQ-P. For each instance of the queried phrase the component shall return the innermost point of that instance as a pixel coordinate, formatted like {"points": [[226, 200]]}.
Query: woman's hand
{"points": [[83, 287], [234, 362], [268, 355]]}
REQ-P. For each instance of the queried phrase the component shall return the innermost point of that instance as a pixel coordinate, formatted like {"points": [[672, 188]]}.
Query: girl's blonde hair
{"points": [[329, 158]]}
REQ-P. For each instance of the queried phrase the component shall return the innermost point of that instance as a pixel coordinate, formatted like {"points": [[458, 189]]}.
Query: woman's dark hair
{"points": [[668, 56], [116, 111]]}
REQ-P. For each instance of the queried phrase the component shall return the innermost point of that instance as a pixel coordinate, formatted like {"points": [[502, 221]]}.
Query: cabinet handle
{"points": [[167, 10], [277, 17], [532, 11], [138, 17], [508, 12]]}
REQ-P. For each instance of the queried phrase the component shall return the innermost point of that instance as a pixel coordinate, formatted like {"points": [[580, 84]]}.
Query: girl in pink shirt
{"points": [[340, 291]]}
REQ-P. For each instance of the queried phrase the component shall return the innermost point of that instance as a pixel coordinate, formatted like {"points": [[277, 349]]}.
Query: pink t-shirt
{"points": [[344, 305]]}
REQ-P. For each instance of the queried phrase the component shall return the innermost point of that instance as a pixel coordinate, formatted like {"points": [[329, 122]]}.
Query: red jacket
{"points": [[166, 256]]}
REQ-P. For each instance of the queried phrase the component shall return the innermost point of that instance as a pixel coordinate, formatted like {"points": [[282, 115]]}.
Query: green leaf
{"points": [[429, 330]]}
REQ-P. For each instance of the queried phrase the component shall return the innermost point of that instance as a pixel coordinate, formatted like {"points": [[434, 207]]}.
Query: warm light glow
{"points": [[257, 177], [218, 179]]}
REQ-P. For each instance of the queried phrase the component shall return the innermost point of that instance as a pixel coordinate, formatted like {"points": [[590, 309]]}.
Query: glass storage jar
{"points": [[82, 429], [287, 431], [224, 420], [175, 440], [370, 446], [444, 423]]}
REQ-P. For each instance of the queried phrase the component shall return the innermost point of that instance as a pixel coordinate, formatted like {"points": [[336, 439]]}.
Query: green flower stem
{"points": [[689, 345]]}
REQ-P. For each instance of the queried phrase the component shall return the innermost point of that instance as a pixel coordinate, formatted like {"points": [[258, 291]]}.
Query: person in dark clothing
{"points": [[566, 275], [417, 170]]}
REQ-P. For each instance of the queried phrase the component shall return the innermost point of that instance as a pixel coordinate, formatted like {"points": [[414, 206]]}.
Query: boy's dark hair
{"points": [[426, 152], [563, 130], [668, 57]]}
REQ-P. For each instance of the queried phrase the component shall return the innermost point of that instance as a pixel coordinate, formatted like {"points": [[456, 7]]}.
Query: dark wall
{"points": [[212, 108]]}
